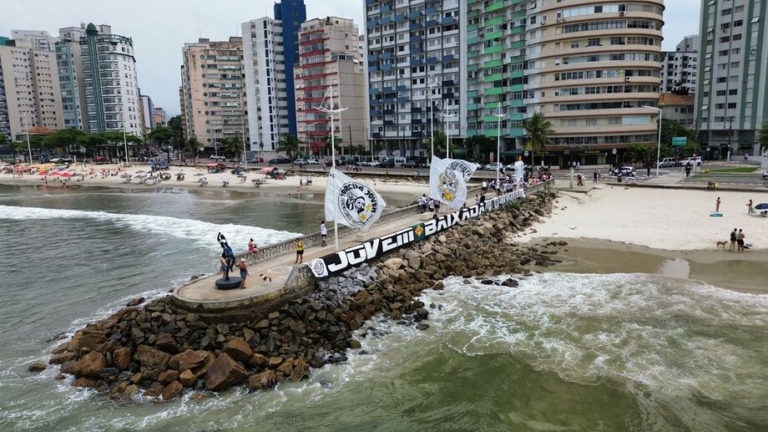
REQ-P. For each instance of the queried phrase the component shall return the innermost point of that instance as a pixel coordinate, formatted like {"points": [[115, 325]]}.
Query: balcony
{"points": [[516, 116], [414, 27], [493, 91], [492, 64], [449, 57], [494, 35], [385, 8], [449, 83], [491, 133], [516, 88], [517, 132], [517, 45], [494, 21], [495, 77], [516, 103], [431, 23], [447, 20], [518, 73], [494, 7], [494, 49]]}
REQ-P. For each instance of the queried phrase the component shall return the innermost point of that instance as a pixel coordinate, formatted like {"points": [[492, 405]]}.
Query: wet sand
{"points": [[746, 272]]}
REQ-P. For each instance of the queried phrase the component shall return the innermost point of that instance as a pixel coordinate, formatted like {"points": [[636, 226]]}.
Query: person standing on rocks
{"points": [[323, 233], [299, 251]]}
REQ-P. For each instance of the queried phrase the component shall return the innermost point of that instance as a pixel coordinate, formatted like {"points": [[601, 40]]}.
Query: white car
{"points": [[493, 166], [313, 161], [667, 163], [691, 160], [373, 163]]}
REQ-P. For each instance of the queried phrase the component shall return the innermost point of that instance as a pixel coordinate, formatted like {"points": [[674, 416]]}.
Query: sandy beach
{"points": [[386, 186], [671, 219]]}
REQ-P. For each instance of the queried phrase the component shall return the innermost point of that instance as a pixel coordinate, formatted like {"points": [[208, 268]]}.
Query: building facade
{"points": [[30, 95], [679, 109], [214, 104], [270, 51], [72, 78], [40, 40], [147, 114], [732, 96], [575, 63], [111, 82], [679, 68], [329, 58], [158, 117]]}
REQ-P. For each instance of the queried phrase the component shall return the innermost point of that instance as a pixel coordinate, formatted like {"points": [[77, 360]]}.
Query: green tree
{"points": [[3, 139], [480, 147], [439, 144], [289, 145], [539, 129], [161, 135], [91, 142], [763, 138], [174, 124], [193, 146], [671, 129], [643, 153], [232, 146], [65, 139]]}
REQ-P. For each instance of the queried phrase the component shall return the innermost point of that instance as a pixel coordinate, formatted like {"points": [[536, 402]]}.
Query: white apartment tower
{"points": [[679, 67], [40, 39]]}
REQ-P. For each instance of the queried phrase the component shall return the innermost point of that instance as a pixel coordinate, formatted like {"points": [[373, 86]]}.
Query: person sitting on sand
{"points": [[243, 272]]}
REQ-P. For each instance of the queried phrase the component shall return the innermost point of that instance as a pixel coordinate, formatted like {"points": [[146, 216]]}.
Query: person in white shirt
{"points": [[323, 233]]}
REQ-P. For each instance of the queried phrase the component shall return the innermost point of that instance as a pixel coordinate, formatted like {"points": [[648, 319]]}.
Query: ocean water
{"points": [[562, 352]]}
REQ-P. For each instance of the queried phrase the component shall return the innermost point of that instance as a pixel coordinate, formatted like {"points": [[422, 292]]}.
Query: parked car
{"points": [[492, 167], [279, 160], [218, 158], [329, 162], [410, 163], [667, 163], [161, 165], [100, 159], [61, 160], [255, 160], [765, 175], [313, 161], [387, 163], [625, 171], [692, 160], [300, 162], [374, 163]]}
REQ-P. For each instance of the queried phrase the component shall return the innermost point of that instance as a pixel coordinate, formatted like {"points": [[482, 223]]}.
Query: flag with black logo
{"points": [[446, 185], [352, 203]]}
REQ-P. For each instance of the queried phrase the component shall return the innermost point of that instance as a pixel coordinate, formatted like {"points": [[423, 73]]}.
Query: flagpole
{"points": [[331, 111]]}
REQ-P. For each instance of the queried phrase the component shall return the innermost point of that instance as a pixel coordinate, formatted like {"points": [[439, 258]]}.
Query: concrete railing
{"points": [[315, 239]]}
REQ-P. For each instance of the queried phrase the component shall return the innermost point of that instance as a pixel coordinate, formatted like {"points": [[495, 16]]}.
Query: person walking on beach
{"points": [[323, 233], [243, 272], [734, 233], [717, 205], [299, 251], [750, 208], [740, 241]]}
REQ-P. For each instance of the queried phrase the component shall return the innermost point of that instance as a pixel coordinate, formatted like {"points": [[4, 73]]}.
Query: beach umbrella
{"points": [[42, 173], [55, 173], [65, 175], [762, 206]]}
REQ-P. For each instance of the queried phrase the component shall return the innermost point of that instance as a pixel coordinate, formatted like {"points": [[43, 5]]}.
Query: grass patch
{"points": [[744, 170]]}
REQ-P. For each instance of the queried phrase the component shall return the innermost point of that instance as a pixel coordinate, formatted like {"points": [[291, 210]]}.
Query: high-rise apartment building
{"points": [[159, 117], [147, 114], [414, 64], [40, 39], [30, 89], [732, 95], [214, 100], [110, 80], [329, 58], [590, 68], [72, 77], [270, 51], [679, 68]]}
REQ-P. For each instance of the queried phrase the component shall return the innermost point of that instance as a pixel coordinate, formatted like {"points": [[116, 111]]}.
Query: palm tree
{"points": [[538, 129], [193, 146], [288, 144], [232, 146]]}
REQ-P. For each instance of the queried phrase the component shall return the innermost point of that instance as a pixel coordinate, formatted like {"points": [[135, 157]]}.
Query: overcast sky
{"points": [[160, 28]]}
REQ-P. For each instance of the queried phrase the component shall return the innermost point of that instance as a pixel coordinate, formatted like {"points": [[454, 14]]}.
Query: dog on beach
{"points": [[722, 243], [265, 278]]}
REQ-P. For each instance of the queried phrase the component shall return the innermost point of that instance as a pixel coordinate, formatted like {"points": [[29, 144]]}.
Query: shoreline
{"points": [[743, 273]]}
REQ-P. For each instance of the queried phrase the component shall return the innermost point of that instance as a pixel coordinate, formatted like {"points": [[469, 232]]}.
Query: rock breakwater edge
{"points": [[154, 351]]}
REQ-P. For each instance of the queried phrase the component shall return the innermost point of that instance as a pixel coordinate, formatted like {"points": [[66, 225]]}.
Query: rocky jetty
{"points": [[154, 351]]}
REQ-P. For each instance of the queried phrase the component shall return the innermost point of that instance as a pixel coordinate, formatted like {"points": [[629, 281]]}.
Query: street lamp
{"points": [[431, 119], [499, 115], [658, 145], [445, 115]]}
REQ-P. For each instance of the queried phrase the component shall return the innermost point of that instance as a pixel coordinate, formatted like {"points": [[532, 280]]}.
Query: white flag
{"points": [[352, 203], [519, 171], [462, 166], [446, 185]]}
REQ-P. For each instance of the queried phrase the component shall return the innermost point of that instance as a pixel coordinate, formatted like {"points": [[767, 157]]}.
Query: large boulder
{"points": [[152, 361], [36, 367], [393, 263], [187, 360], [89, 340], [414, 259], [121, 357], [172, 391], [300, 370], [239, 350], [166, 343], [187, 378], [167, 377], [263, 381], [90, 365], [224, 373]]}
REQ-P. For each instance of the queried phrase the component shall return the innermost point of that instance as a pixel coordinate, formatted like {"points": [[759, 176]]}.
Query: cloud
{"points": [[160, 28]]}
